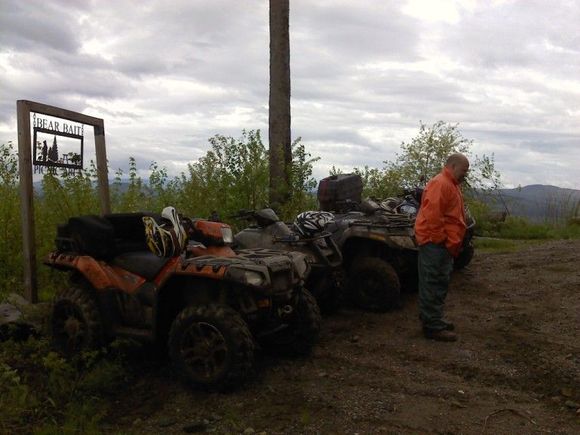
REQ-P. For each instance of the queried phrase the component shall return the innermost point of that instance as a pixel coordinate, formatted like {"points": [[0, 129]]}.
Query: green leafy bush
{"points": [[42, 392]]}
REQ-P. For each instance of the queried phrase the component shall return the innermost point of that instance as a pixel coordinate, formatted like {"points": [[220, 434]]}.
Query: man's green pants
{"points": [[435, 266]]}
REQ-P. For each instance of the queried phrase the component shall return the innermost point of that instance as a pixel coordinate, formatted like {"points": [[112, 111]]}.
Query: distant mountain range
{"points": [[536, 202]]}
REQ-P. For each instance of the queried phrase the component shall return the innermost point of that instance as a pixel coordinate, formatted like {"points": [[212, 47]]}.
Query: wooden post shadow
{"points": [[23, 109]]}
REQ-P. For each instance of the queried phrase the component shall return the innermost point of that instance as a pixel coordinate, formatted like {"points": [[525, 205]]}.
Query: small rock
{"points": [[18, 300], [322, 374], [355, 339], [249, 431], [457, 404], [571, 404], [9, 313], [566, 392], [136, 421]]}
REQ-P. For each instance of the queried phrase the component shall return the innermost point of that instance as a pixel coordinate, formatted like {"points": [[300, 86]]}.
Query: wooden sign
{"points": [[58, 143]]}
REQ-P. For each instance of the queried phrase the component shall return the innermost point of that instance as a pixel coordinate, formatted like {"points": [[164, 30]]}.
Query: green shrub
{"points": [[42, 392]]}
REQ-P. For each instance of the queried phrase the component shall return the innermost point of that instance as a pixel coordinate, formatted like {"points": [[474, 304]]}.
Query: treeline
{"points": [[231, 176]]}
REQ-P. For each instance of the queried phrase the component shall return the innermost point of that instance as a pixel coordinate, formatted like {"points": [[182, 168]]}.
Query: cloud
{"points": [[166, 76]]}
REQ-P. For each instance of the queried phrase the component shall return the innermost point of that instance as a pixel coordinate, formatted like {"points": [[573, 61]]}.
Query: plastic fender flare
{"points": [[99, 274]]}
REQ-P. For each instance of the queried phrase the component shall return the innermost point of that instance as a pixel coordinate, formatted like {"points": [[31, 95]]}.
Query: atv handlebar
{"points": [[244, 214]]}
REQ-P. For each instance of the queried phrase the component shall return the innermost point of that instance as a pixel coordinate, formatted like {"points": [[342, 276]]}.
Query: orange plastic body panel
{"points": [[207, 271], [101, 275], [220, 251], [167, 271], [210, 229]]}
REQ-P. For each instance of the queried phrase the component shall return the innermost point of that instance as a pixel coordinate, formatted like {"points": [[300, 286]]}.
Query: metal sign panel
{"points": [[57, 144]]}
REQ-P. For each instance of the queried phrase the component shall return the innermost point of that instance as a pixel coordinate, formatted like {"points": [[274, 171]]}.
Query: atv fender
{"points": [[398, 239], [101, 275]]}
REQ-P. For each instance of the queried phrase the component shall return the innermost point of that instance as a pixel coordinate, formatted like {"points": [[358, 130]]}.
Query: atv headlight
{"points": [[253, 278], [227, 235]]}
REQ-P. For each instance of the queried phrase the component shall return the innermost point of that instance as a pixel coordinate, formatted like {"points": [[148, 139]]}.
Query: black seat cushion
{"points": [[129, 231], [92, 235], [143, 263]]}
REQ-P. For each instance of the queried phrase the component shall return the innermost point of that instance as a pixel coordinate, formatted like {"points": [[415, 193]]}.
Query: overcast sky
{"points": [[166, 75]]}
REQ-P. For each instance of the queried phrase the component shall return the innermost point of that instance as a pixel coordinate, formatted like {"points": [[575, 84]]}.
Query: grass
{"points": [[489, 245], [517, 233], [521, 229]]}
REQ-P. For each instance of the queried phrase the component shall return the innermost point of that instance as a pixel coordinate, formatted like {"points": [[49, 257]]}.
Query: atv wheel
{"points": [[303, 328], [211, 346], [76, 322], [374, 285], [329, 292], [464, 258]]}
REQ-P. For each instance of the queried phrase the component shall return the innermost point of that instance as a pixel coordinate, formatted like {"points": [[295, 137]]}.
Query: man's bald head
{"points": [[458, 164]]}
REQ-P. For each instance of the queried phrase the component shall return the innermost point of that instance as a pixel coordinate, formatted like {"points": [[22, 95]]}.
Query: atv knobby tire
{"points": [[302, 330], [76, 322], [329, 292], [373, 285], [464, 258], [211, 346]]}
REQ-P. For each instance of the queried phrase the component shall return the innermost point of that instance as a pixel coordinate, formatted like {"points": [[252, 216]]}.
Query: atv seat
{"points": [[143, 263], [103, 237], [129, 231], [88, 235]]}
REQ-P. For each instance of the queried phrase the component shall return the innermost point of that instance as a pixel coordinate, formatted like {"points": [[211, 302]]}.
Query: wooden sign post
{"points": [[24, 108]]}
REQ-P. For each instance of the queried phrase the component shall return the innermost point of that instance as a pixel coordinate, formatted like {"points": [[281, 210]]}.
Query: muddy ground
{"points": [[514, 370]]}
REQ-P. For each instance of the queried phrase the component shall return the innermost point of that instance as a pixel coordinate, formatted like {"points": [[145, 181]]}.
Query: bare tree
{"points": [[279, 113]]}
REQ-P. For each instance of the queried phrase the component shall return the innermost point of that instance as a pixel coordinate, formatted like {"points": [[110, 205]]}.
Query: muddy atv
{"points": [[207, 305], [305, 235], [378, 249], [379, 253], [410, 202]]}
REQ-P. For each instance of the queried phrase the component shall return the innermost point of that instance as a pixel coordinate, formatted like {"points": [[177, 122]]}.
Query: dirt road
{"points": [[515, 369]]}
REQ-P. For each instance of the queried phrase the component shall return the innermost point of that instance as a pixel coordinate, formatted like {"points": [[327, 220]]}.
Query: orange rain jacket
{"points": [[441, 218]]}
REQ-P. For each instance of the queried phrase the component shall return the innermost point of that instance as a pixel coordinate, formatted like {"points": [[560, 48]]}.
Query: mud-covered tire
{"points": [[76, 323], [302, 331], [373, 285], [211, 347], [329, 292], [464, 258]]}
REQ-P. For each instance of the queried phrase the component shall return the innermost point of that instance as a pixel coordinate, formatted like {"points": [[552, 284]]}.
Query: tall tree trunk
{"points": [[279, 112]]}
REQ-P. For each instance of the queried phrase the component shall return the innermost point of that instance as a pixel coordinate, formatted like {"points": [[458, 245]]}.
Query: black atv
{"points": [[410, 202], [266, 230], [378, 248]]}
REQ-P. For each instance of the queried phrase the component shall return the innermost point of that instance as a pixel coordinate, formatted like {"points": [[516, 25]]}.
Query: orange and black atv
{"points": [[205, 303]]}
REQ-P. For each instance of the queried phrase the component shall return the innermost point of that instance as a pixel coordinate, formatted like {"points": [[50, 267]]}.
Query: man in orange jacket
{"points": [[439, 231]]}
